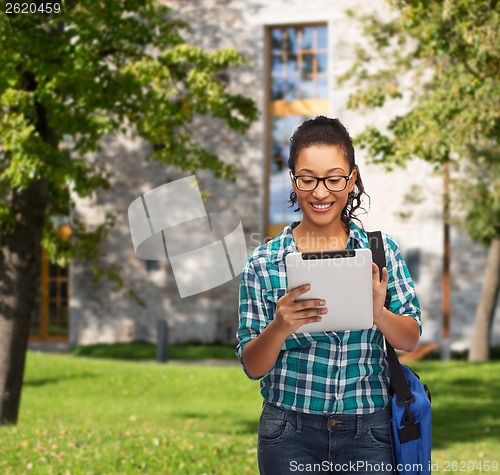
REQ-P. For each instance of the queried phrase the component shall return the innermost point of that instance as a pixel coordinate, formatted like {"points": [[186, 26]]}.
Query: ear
{"points": [[352, 181]]}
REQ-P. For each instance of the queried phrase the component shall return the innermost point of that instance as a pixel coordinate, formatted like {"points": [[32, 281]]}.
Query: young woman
{"points": [[326, 401]]}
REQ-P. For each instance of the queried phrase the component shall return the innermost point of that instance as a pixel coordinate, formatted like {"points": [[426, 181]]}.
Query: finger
{"points": [[385, 276], [314, 319], [298, 291], [311, 320], [307, 314], [309, 303], [376, 272]]}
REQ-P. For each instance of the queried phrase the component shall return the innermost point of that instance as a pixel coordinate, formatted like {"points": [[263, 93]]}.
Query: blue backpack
{"points": [[411, 422]]}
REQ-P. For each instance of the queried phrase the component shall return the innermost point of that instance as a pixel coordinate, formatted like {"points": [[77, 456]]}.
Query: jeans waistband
{"points": [[320, 421]]}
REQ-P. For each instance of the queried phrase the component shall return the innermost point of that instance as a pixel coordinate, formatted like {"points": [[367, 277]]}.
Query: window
{"points": [[50, 315], [298, 64], [298, 90]]}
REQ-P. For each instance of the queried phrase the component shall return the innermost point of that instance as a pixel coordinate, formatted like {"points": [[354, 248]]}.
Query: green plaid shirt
{"points": [[321, 372]]}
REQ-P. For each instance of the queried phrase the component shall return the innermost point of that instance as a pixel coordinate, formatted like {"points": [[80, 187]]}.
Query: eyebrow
{"points": [[328, 171]]}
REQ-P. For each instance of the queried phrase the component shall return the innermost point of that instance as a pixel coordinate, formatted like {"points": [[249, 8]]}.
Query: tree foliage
{"points": [[442, 57], [104, 67]]}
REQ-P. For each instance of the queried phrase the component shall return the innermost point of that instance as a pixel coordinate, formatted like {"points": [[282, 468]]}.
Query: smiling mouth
{"points": [[321, 207]]}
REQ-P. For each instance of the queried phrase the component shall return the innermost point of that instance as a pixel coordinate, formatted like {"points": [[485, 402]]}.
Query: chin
{"points": [[323, 220]]}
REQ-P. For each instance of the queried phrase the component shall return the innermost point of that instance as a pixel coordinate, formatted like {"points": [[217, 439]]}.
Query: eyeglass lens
{"points": [[332, 183]]}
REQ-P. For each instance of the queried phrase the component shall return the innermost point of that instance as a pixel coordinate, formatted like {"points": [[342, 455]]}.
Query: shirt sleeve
{"points": [[404, 300], [253, 311]]}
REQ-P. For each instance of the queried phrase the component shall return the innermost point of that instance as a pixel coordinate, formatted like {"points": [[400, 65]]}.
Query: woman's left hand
{"points": [[379, 291]]}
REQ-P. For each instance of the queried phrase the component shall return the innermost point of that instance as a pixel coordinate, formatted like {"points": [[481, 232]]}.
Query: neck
{"points": [[309, 237]]}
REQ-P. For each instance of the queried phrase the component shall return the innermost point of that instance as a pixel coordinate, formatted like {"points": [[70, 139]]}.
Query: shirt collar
{"points": [[284, 243], [358, 239]]}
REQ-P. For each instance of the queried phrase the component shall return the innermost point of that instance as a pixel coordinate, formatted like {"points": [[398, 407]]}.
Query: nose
{"points": [[321, 192]]}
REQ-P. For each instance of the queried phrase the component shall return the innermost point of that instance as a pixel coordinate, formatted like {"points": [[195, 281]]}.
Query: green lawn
{"points": [[89, 416], [140, 350]]}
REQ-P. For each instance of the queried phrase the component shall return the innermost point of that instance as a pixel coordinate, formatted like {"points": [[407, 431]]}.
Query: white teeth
{"points": [[321, 206]]}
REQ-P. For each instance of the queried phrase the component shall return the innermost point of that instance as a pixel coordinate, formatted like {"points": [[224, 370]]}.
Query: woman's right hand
{"points": [[292, 314], [260, 354]]}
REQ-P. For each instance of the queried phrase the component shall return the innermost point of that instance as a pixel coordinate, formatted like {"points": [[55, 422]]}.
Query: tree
{"points": [[103, 67], [448, 51]]}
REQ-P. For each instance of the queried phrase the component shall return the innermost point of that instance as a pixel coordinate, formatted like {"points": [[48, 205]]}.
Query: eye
{"points": [[334, 180], [306, 181]]}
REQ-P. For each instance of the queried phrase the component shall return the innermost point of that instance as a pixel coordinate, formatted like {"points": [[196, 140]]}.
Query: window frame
{"points": [[43, 299], [307, 107]]}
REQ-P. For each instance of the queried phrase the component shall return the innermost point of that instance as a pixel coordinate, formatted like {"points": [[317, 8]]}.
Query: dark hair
{"points": [[325, 131]]}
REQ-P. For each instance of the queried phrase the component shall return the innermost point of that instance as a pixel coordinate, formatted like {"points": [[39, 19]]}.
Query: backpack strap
{"points": [[398, 379], [378, 255]]}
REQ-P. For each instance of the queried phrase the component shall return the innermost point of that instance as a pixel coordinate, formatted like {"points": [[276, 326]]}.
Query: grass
{"points": [[90, 416], [139, 350]]}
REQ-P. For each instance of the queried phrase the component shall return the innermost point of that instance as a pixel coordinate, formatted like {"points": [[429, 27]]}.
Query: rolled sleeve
{"points": [[404, 300], [253, 312]]}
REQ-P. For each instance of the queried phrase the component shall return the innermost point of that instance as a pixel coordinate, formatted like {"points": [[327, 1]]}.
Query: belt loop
{"points": [[299, 422], [359, 426]]}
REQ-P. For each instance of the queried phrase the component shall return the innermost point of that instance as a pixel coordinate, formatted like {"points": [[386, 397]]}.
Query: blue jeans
{"points": [[294, 442]]}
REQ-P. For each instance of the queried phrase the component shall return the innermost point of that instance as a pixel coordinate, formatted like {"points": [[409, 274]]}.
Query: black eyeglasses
{"points": [[332, 183]]}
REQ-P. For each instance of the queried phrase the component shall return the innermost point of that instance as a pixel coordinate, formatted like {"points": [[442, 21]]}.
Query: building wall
{"points": [[404, 203]]}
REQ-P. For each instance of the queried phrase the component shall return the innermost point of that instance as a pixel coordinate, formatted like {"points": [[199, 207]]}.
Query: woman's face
{"points": [[322, 207]]}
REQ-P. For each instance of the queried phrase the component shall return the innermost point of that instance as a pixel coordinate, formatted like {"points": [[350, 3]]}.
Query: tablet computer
{"points": [[343, 279]]}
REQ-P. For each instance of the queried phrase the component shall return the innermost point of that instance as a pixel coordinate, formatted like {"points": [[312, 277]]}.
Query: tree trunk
{"points": [[480, 344], [19, 276], [20, 272]]}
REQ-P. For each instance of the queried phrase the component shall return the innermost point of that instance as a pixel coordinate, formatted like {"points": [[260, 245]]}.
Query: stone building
{"points": [[296, 49]]}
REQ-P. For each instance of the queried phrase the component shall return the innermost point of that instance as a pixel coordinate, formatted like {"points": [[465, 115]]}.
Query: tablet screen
{"points": [[343, 279]]}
